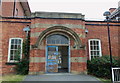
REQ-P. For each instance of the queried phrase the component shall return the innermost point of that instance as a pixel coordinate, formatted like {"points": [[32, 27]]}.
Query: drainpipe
{"points": [[14, 8]]}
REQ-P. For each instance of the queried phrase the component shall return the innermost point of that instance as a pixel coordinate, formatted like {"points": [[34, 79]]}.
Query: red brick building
{"points": [[58, 42], [14, 8]]}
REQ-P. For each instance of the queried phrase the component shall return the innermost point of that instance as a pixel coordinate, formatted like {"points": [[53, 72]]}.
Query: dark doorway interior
{"points": [[63, 59]]}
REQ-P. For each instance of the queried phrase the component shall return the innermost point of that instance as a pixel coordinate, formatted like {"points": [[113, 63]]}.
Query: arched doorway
{"points": [[57, 54], [53, 41]]}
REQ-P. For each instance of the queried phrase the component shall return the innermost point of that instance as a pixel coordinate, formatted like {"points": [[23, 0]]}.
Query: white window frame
{"points": [[9, 49], [116, 75], [99, 47]]}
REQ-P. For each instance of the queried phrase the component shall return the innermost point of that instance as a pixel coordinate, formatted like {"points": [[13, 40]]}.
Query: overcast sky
{"points": [[92, 9]]}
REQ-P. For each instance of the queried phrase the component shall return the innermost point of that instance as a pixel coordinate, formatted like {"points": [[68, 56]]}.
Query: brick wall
{"points": [[11, 28], [0, 48], [98, 30], [20, 9], [8, 8]]}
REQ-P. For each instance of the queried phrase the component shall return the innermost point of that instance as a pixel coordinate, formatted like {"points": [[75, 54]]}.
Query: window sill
{"points": [[11, 63]]}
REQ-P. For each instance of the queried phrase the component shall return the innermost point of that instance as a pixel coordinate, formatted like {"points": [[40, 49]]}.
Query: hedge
{"points": [[22, 67], [100, 66]]}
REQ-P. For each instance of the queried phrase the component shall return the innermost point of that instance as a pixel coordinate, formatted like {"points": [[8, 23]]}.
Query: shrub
{"points": [[22, 67], [100, 67]]}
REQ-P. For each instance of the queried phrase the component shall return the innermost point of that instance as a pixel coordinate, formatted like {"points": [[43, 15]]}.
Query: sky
{"points": [[92, 9]]}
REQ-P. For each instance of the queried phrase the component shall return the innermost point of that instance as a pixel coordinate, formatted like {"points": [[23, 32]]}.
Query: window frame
{"points": [[9, 49], [100, 50]]}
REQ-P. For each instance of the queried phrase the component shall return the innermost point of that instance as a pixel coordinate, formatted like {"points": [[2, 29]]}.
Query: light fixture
{"points": [[107, 14], [86, 31], [27, 30]]}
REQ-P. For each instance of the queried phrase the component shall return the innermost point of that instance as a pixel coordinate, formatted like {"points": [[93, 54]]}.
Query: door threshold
{"points": [[58, 74]]}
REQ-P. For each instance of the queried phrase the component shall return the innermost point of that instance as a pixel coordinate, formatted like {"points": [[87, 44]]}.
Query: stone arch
{"points": [[60, 29]]}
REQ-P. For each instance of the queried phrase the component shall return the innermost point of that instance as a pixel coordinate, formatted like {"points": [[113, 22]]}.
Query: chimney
{"points": [[111, 10]]}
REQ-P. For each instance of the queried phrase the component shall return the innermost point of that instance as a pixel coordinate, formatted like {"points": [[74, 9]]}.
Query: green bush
{"points": [[100, 67], [22, 67]]}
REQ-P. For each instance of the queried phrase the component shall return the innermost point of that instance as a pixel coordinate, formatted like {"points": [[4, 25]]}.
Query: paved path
{"points": [[61, 77]]}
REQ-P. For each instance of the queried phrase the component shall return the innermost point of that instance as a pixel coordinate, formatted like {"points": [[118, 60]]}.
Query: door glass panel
{"points": [[51, 49], [52, 59]]}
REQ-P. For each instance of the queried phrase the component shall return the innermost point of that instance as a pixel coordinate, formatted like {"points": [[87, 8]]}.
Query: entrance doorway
{"points": [[63, 65], [57, 54], [57, 59]]}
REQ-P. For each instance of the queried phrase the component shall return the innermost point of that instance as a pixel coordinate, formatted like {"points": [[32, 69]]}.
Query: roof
{"points": [[26, 7], [116, 12]]}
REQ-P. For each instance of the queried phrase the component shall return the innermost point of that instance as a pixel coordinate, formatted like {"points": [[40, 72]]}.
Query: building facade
{"points": [[57, 36], [58, 41], [14, 8]]}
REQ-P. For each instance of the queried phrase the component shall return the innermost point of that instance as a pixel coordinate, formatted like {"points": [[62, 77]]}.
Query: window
{"points": [[94, 48], [15, 49], [57, 39]]}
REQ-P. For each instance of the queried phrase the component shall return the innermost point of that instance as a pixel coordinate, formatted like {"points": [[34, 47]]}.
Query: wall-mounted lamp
{"points": [[27, 30], [86, 31]]}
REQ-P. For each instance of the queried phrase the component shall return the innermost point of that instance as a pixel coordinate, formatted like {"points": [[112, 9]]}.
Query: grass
{"points": [[104, 80], [13, 78]]}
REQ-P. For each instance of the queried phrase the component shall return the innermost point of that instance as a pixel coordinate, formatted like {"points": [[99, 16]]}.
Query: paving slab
{"points": [[62, 77]]}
